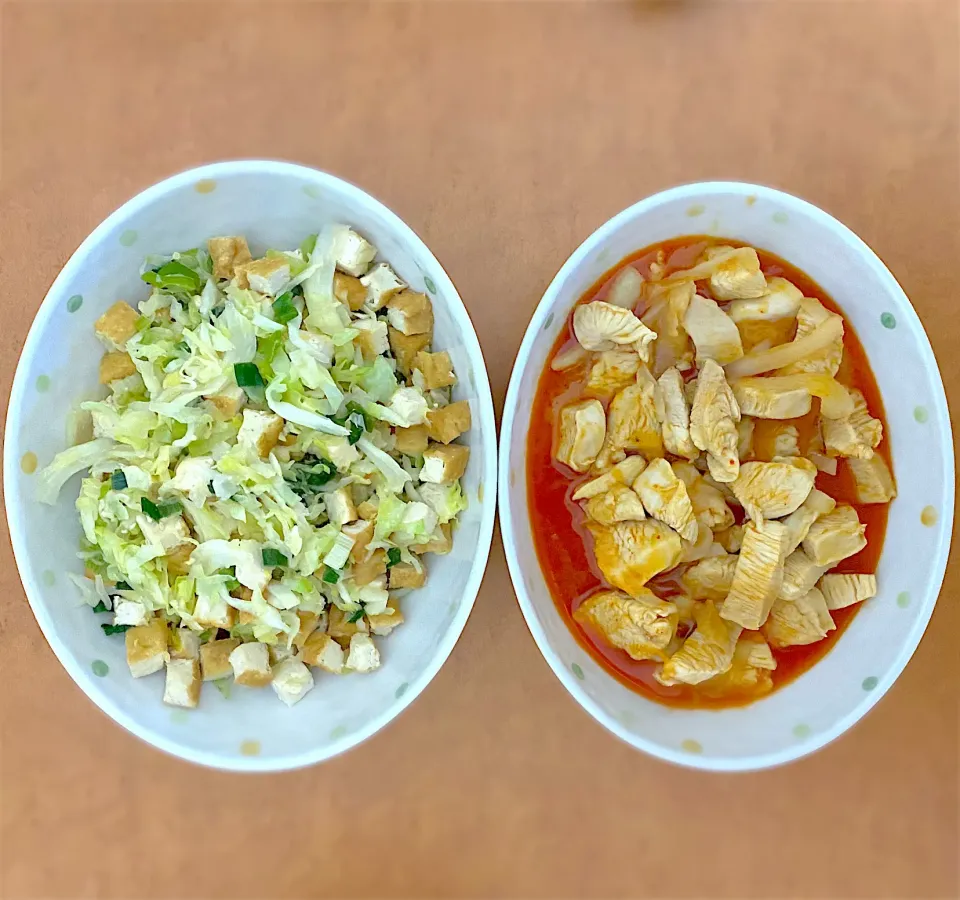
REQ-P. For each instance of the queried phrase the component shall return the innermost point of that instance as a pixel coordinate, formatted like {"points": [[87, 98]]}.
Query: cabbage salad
{"points": [[275, 456]]}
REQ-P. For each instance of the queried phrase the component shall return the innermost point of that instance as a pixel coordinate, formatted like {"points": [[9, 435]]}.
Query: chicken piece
{"points": [[292, 681], [781, 301], [226, 253], [714, 333], [798, 522], [835, 536], [642, 625], [666, 306], [855, 435], [710, 578], [811, 314], [612, 371], [749, 675], [624, 472], [785, 440], [380, 283], [619, 504], [730, 538], [411, 441], [841, 591], [182, 684], [405, 348], [769, 490], [436, 369], [736, 275], [445, 463], [146, 647], [117, 325], [260, 431], [115, 365], [676, 421], [583, 427], [449, 422], [760, 397], [713, 422], [349, 291], [706, 653], [758, 576], [874, 483], [602, 326], [629, 554], [323, 652], [709, 505], [702, 547], [410, 313], [633, 422], [796, 623], [665, 497], [800, 574]]}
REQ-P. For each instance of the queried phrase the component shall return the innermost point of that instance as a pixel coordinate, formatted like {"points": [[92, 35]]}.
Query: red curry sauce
{"points": [[565, 547]]}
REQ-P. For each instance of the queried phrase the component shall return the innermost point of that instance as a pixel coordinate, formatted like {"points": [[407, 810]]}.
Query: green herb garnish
{"points": [[123, 586], [393, 556], [101, 607], [331, 576], [158, 511], [115, 629], [356, 615]]}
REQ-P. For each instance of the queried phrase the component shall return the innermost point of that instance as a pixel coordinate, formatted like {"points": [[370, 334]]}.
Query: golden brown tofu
{"points": [[323, 652], [183, 644], [405, 348], [146, 647], [404, 575], [115, 365], [226, 254], [444, 463], [178, 560], [367, 511], [410, 312], [441, 545], [383, 623], [641, 625], [449, 422], [117, 324], [266, 275], [341, 629], [251, 664], [362, 533], [308, 625], [228, 402], [349, 291], [370, 568], [436, 368], [182, 686], [215, 658], [260, 430], [411, 441], [245, 618]]}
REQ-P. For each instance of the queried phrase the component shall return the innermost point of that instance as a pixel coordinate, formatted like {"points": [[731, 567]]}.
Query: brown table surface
{"points": [[511, 132]]}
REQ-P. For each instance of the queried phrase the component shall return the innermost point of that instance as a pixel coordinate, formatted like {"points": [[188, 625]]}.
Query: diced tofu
{"points": [[714, 333], [769, 490], [368, 510], [372, 337], [354, 253], [449, 422], [665, 497], [117, 324], [633, 422], [184, 644], [349, 291], [129, 612], [251, 664], [874, 483], [713, 422], [115, 365], [436, 369], [602, 326], [612, 371], [411, 441], [676, 421], [267, 276], [182, 685], [340, 506], [406, 347], [798, 522], [215, 658], [361, 531], [763, 399], [370, 568], [630, 553], [800, 575], [324, 652], [841, 591], [213, 611], [193, 477], [292, 681], [146, 647], [380, 284], [710, 578], [228, 402], [730, 538], [341, 629], [642, 625], [404, 575], [410, 313], [444, 463], [260, 431], [309, 622], [441, 545], [619, 504], [855, 435], [280, 651], [363, 656], [381, 624], [758, 576], [835, 536], [169, 532], [795, 623], [706, 653], [227, 253]]}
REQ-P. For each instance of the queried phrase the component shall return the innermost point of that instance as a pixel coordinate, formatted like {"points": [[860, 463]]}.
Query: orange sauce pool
{"points": [[565, 547]]}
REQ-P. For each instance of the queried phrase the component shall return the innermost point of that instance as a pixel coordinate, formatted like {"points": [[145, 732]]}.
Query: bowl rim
{"points": [[11, 468], [939, 409]]}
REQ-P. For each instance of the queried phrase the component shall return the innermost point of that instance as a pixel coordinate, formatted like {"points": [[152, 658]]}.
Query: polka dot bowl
{"points": [[274, 205], [828, 699]]}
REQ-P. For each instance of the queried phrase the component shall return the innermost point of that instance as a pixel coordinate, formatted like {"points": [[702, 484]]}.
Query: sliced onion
{"points": [[825, 334]]}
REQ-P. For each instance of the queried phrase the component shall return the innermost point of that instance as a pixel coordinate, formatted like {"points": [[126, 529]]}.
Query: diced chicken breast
{"points": [[251, 664], [713, 422], [583, 427], [182, 684], [603, 326], [758, 576], [710, 578], [874, 482], [730, 538], [380, 284], [666, 306], [633, 422], [619, 504], [709, 504], [354, 253], [612, 371], [260, 431], [449, 422], [855, 435], [642, 625], [745, 431], [798, 522], [736, 274], [702, 547], [795, 623], [714, 333], [665, 497], [676, 421], [781, 301], [146, 647], [811, 314], [117, 325], [410, 312], [800, 574], [292, 681], [630, 553], [444, 463], [835, 536], [763, 399], [841, 591], [769, 490], [705, 653], [363, 655], [226, 253], [786, 440], [749, 675], [215, 658], [623, 473]]}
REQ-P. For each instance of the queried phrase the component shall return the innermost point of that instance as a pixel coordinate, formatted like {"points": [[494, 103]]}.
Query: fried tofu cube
{"points": [[340, 506], [841, 591], [371, 338], [368, 511], [266, 276], [341, 629], [363, 656], [835, 536], [308, 625], [184, 644], [129, 612], [410, 313], [227, 253], [436, 369], [405, 348], [228, 402], [322, 651], [380, 284], [444, 464], [251, 664], [117, 324], [411, 441], [449, 422], [146, 647], [168, 533], [349, 291], [441, 545], [280, 651], [370, 568], [361, 531], [382, 624], [115, 365], [215, 658], [796, 623], [405, 575], [182, 685], [757, 577], [354, 253], [641, 625], [874, 483], [260, 431], [178, 560], [214, 612], [292, 681]]}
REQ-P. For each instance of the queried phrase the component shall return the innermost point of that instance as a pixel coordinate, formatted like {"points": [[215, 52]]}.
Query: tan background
{"points": [[505, 133]]}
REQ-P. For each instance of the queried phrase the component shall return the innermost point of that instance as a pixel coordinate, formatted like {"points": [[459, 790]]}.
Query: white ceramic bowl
{"points": [[835, 693], [275, 205]]}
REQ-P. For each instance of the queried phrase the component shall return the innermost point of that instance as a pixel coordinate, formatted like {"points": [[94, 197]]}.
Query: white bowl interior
{"points": [[274, 205], [822, 703]]}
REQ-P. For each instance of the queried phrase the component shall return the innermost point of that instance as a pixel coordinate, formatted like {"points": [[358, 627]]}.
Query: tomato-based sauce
{"points": [[565, 546]]}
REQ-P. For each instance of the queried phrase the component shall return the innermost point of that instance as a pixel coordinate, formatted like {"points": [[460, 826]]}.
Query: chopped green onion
{"points": [[118, 481], [357, 410], [393, 556], [217, 310], [115, 629], [356, 431], [272, 557], [248, 375], [283, 309], [331, 576], [182, 346], [158, 511], [308, 245], [356, 615], [101, 607], [123, 586]]}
